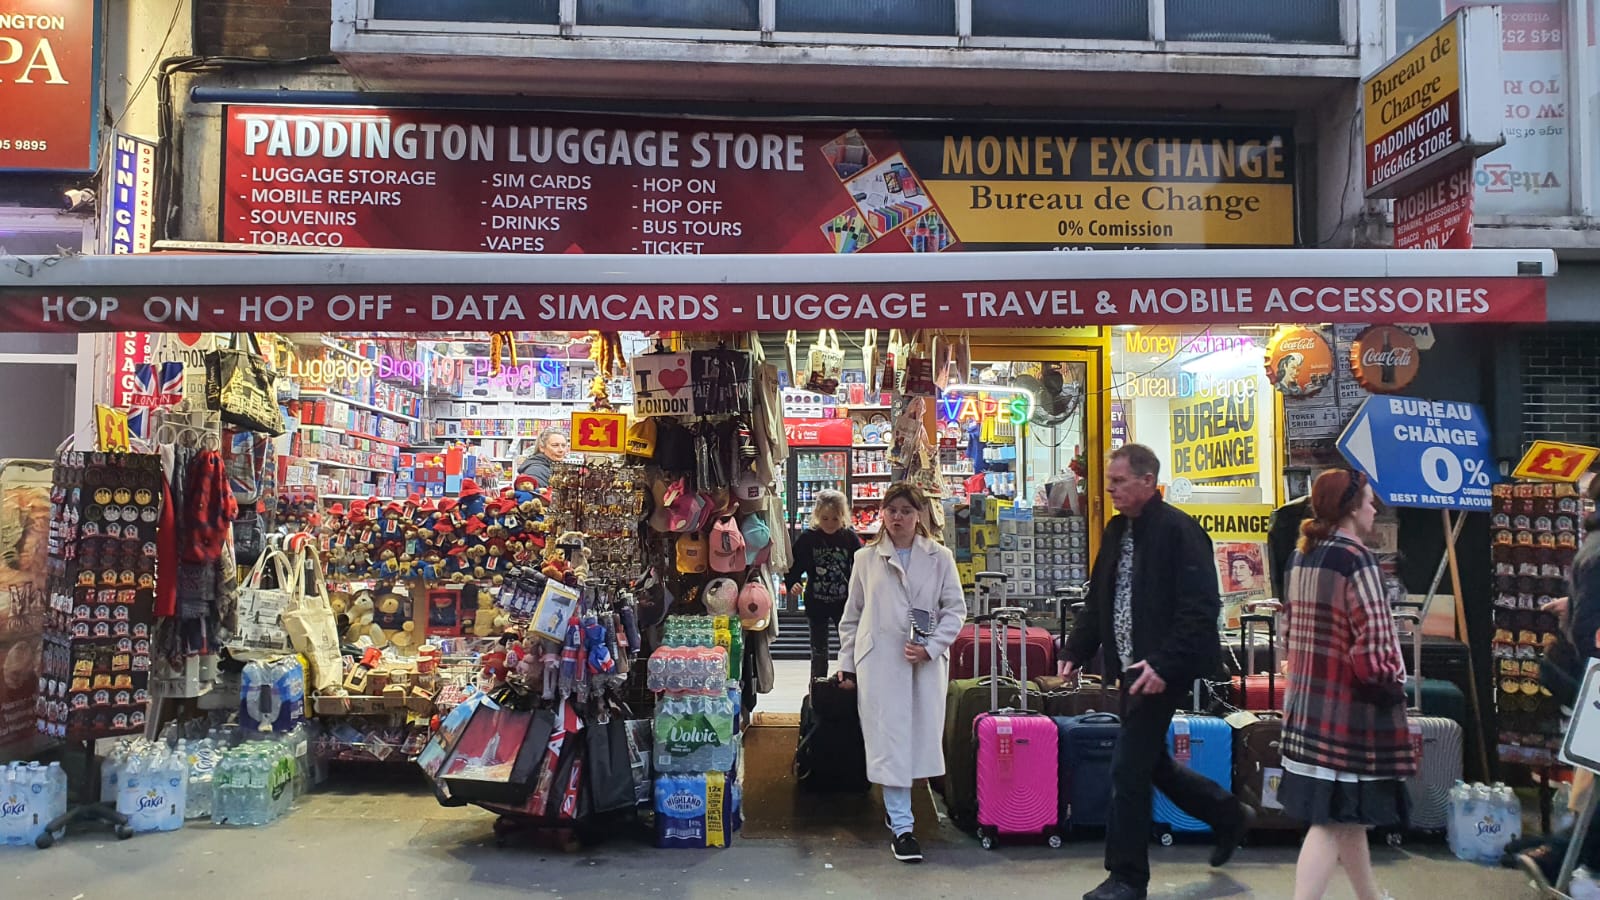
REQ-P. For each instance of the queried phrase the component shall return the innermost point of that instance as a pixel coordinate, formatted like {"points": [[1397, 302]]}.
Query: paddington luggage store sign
{"points": [[530, 182], [48, 84]]}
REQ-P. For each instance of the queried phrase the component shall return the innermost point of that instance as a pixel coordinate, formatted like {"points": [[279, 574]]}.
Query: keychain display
{"points": [[104, 511], [1536, 530]]}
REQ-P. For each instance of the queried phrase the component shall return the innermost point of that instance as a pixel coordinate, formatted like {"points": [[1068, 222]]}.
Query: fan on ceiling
{"points": [[1056, 396]]}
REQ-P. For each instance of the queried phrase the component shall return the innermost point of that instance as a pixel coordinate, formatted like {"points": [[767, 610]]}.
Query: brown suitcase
{"points": [[1258, 770], [1088, 695]]}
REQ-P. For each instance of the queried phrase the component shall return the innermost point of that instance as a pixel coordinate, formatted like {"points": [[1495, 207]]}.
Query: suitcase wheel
{"points": [[1395, 839], [1055, 842], [986, 839], [1165, 837]]}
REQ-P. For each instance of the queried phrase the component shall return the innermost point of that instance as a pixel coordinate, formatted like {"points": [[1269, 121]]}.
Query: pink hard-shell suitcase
{"points": [[1017, 759]]}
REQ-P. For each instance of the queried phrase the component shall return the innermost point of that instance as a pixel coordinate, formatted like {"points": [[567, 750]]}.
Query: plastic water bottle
{"points": [[1584, 886], [1458, 827], [58, 791], [223, 807]]}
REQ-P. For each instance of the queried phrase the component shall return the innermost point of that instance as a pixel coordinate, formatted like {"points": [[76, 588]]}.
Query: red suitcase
{"points": [[1018, 760], [1257, 691], [967, 661]]}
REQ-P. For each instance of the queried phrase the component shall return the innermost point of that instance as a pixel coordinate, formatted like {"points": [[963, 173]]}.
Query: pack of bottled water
{"points": [[31, 795], [1484, 819], [257, 782], [150, 782]]}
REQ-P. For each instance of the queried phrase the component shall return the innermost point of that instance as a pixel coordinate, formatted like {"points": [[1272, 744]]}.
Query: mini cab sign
{"points": [[599, 432], [1438, 103], [1552, 461]]}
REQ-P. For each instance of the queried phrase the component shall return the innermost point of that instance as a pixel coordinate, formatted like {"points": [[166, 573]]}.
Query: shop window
{"points": [[1254, 21], [517, 12], [1201, 400], [868, 16], [1107, 20], [740, 15]]}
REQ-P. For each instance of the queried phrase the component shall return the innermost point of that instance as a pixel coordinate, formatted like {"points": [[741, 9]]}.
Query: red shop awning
{"points": [[406, 291]]}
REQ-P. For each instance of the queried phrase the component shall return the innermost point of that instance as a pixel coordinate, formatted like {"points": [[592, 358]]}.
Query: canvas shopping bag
{"points": [[310, 624], [261, 608], [825, 363]]}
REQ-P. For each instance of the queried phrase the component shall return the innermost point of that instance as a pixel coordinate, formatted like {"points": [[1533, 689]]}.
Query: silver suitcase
{"points": [[1438, 742]]}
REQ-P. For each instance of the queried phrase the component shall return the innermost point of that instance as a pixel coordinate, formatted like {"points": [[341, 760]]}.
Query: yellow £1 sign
{"points": [[1553, 461], [598, 432]]}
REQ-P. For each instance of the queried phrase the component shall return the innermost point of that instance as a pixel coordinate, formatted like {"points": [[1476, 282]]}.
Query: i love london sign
{"points": [[759, 292]]}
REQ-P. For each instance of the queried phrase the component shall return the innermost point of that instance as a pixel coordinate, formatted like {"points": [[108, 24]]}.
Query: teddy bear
{"points": [[483, 621], [363, 612], [390, 617]]}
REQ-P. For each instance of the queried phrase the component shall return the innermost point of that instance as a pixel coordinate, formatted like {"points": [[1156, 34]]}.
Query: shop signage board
{"points": [[817, 432], [1423, 453], [598, 432], [49, 85], [1438, 215], [470, 292], [1437, 102], [1581, 746], [1555, 461], [1231, 521], [128, 195], [553, 182]]}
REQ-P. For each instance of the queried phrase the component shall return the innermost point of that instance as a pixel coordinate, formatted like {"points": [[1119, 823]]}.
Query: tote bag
{"points": [[310, 624], [244, 388], [261, 608]]}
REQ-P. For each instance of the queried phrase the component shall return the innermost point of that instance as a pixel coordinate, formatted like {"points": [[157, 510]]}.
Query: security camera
{"points": [[80, 200]]}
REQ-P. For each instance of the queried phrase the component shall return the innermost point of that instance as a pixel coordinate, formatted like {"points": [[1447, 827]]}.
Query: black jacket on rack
{"points": [[1175, 599]]}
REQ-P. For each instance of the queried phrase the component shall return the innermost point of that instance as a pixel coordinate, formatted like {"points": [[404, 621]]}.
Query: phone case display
{"points": [[1536, 530], [1039, 554], [103, 516], [813, 471]]}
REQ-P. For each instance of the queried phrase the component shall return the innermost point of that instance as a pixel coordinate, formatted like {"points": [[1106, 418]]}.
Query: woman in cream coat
{"points": [[901, 670]]}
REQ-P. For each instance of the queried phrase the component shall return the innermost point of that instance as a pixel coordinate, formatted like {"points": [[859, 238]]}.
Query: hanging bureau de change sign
{"points": [[1436, 104]]}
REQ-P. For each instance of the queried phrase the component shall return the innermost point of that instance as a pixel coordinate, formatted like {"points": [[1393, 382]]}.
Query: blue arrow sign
{"points": [[1422, 453]]}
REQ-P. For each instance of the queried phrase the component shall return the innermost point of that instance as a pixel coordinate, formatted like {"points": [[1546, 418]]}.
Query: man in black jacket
{"points": [[1153, 606]]}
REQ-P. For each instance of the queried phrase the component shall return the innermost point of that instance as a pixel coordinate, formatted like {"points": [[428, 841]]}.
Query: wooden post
{"points": [[1463, 635]]}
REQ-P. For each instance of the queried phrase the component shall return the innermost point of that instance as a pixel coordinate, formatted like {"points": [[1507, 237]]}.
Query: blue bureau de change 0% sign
{"points": [[1422, 453]]}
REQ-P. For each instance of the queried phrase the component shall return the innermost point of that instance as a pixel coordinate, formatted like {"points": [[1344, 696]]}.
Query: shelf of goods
{"points": [[357, 404]]}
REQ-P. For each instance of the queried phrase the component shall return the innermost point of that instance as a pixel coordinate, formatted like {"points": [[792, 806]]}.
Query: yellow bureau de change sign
{"points": [[1215, 438], [1113, 186]]}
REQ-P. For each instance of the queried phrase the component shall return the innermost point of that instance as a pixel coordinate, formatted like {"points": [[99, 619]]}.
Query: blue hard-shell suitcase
{"points": [[1205, 745], [1086, 744]]}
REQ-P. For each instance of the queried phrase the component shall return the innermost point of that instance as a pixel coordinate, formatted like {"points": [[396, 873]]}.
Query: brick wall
{"points": [[1561, 384], [267, 29]]}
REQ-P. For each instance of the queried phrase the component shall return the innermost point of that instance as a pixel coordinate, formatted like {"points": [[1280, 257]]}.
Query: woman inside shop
{"points": [[550, 449], [1346, 747], [904, 609], [823, 556]]}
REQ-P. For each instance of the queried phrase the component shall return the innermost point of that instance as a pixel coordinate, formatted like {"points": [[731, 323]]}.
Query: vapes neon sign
{"points": [[960, 403]]}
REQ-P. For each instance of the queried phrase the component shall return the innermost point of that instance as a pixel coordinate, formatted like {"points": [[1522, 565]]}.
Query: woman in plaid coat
{"points": [[1346, 745]]}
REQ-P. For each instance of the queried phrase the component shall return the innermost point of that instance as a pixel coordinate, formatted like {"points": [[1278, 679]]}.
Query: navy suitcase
{"points": [[1086, 744]]}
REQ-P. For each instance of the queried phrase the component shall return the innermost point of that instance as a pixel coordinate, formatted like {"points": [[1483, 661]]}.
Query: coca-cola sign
{"points": [[1299, 361], [1384, 359]]}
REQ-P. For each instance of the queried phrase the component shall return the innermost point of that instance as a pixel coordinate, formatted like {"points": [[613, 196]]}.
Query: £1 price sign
{"points": [[1552, 461], [598, 432]]}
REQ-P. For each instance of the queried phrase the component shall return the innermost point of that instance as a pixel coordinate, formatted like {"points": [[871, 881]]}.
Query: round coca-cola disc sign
{"points": [[1299, 361], [1384, 359]]}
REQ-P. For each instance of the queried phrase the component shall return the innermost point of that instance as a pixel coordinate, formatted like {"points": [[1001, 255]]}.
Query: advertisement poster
{"points": [[49, 87], [1528, 176], [1242, 576], [1316, 422], [24, 551], [1216, 439], [532, 182], [1438, 216]]}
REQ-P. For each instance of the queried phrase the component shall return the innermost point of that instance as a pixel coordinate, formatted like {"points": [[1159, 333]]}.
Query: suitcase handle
{"points": [[986, 586], [1099, 718], [1246, 631], [1415, 618]]}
